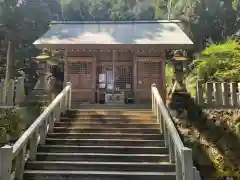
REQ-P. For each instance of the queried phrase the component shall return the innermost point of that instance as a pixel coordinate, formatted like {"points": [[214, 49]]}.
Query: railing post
{"points": [[171, 150], [10, 92], [225, 90], [218, 94], [233, 90], [178, 165], [51, 121], [5, 162], [165, 131], [187, 164], [199, 93], [20, 162], [33, 146], [196, 174], [153, 99], [20, 93], [69, 95], [43, 132], [209, 94], [2, 91]]}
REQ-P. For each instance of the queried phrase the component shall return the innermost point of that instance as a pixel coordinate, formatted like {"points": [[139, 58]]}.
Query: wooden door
{"points": [[81, 73], [149, 70]]}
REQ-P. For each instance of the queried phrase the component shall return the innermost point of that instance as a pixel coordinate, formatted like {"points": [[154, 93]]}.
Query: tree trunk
{"points": [[9, 69], [238, 6]]}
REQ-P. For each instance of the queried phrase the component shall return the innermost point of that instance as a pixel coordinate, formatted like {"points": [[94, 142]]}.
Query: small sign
{"points": [[128, 86], [102, 78], [110, 86], [102, 85]]}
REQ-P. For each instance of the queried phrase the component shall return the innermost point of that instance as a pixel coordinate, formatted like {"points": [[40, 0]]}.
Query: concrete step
{"points": [[79, 106], [105, 142], [96, 125], [103, 149], [100, 166], [110, 112], [109, 120], [99, 175], [106, 136], [102, 157], [108, 130], [108, 116]]}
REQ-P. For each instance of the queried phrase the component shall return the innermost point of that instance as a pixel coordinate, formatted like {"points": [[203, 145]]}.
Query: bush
{"points": [[13, 122], [219, 62]]}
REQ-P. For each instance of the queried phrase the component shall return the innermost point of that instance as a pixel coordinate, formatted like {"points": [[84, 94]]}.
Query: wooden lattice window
{"points": [[124, 77], [148, 72], [80, 74], [80, 68]]}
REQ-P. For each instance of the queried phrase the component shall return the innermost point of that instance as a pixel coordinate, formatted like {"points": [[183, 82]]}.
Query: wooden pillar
{"points": [[134, 75], [65, 68], [94, 73], [114, 59], [163, 85]]}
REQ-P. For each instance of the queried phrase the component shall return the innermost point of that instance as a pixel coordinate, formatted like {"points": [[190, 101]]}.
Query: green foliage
{"points": [[10, 124], [219, 61], [168, 74], [13, 122]]}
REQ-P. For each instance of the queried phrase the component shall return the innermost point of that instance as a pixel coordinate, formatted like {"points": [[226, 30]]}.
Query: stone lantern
{"points": [[42, 69], [45, 60]]}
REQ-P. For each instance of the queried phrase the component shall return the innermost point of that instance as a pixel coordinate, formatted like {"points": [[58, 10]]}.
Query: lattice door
{"points": [[81, 75], [149, 71], [124, 77]]}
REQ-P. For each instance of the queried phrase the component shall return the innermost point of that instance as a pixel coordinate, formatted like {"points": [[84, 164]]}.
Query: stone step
{"points": [[108, 130], [110, 112], [100, 166], [103, 149], [105, 142], [106, 136], [96, 125], [79, 106], [102, 157], [108, 116], [109, 120], [96, 175]]}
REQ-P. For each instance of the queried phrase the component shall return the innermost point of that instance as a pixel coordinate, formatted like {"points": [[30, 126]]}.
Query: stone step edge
{"points": [[101, 163], [99, 173], [117, 140], [117, 147], [105, 128], [101, 154], [122, 134], [102, 123]]}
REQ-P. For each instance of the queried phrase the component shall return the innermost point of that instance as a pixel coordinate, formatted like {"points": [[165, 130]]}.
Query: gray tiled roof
{"points": [[114, 32]]}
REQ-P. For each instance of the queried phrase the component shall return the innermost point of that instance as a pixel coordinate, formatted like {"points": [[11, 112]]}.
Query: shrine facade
{"points": [[116, 61]]}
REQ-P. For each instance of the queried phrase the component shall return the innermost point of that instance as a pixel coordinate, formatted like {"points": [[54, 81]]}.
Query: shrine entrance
{"points": [[114, 73]]}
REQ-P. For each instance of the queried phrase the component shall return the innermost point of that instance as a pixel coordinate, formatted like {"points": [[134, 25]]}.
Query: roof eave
{"points": [[114, 46]]}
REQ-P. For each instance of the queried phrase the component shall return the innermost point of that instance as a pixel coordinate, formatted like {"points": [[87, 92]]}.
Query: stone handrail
{"points": [[26, 146], [178, 153]]}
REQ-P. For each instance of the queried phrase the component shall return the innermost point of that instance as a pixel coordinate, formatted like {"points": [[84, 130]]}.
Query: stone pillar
{"points": [[41, 84]]}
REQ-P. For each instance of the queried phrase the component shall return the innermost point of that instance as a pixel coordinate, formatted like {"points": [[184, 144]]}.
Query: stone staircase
{"points": [[103, 144]]}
